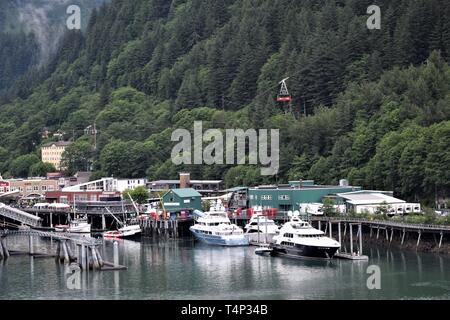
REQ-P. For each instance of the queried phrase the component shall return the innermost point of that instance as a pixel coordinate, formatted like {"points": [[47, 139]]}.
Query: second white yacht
{"points": [[261, 229], [214, 227]]}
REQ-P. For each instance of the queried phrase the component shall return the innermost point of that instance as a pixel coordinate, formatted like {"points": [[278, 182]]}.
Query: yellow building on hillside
{"points": [[52, 152]]}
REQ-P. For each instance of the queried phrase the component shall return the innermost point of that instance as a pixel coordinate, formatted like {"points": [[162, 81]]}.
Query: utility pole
{"points": [[95, 137], [304, 106]]}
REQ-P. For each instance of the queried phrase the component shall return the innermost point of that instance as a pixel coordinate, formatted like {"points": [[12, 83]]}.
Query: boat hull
{"points": [[231, 240], [304, 251], [121, 235], [80, 229], [253, 237]]}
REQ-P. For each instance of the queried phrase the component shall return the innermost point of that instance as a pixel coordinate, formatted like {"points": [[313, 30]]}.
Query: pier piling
{"points": [[360, 238], [58, 251], [440, 240], [95, 263], [331, 232], [70, 253], [65, 253], [5, 249], [83, 257], [1, 248], [339, 235], [351, 239], [418, 239], [116, 253], [403, 236], [99, 257], [30, 244]]}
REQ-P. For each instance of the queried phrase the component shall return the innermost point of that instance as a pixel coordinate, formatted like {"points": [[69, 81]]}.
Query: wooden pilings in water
{"points": [[89, 257], [418, 239], [64, 253], [4, 253], [116, 253], [165, 228]]}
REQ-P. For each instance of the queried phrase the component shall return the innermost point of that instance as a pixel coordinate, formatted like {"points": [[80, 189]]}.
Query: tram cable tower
{"points": [[284, 97]]}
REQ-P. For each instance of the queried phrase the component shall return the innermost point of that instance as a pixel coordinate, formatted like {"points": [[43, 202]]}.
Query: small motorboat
{"points": [[263, 251]]}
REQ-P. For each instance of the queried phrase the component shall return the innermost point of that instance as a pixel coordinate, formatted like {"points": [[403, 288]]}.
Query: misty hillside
{"points": [[369, 105], [30, 31]]}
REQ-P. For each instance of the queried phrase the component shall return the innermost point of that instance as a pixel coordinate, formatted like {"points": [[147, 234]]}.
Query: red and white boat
{"points": [[124, 232]]}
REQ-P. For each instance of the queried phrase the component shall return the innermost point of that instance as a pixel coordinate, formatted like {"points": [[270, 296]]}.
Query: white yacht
{"points": [[214, 227], [261, 229], [298, 238]]}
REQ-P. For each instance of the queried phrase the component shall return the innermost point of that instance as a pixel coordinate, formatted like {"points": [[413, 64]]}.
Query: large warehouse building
{"points": [[285, 198]]}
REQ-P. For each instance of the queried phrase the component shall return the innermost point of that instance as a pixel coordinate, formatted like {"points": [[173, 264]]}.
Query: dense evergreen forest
{"points": [[372, 106]]}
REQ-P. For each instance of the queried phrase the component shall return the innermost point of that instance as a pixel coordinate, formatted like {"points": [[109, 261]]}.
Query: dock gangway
{"points": [[19, 216]]}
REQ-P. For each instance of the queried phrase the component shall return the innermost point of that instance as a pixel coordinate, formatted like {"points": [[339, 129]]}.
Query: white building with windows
{"points": [[123, 184], [370, 201]]}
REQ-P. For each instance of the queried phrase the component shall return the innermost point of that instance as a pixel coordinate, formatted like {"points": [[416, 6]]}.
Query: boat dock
{"points": [[70, 249]]}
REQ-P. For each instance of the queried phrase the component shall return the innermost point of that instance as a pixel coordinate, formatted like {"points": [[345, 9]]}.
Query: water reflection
{"points": [[184, 269]]}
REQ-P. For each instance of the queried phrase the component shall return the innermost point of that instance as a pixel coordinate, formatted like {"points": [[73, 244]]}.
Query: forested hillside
{"points": [[369, 105]]}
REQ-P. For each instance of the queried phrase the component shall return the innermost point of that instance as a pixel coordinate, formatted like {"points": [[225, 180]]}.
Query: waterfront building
{"points": [[176, 200], [32, 188], [78, 178], [52, 152], [285, 197], [123, 184], [69, 197], [103, 184], [371, 201], [205, 187], [4, 186]]}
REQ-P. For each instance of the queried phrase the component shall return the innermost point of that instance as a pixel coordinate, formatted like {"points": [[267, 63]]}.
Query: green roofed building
{"points": [[182, 199], [287, 197]]}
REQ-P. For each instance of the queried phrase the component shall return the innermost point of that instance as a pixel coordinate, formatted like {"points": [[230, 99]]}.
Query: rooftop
{"points": [[186, 192], [156, 182], [57, 143], [358, 198]]}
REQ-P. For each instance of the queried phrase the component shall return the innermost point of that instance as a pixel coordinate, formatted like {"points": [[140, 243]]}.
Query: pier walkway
{"points": [[76, 239], [386, 224], [19, 216]]}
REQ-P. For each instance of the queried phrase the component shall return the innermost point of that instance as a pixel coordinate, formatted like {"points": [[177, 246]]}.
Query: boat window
{"points": [[288, 235]]}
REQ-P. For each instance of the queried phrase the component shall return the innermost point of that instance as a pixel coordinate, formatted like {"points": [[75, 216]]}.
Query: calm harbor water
{"points": [[184, 269]]}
